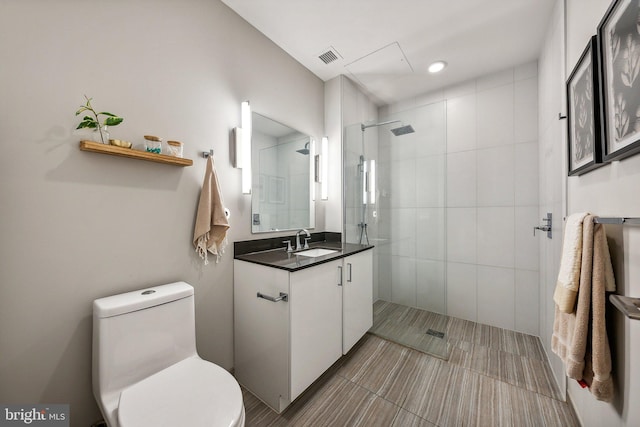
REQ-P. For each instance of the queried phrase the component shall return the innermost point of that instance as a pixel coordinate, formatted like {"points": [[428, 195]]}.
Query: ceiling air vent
{"points": [[329, 55]]}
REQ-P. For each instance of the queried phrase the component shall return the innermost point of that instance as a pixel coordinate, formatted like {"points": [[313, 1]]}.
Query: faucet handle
{"points": [[306, 242], [288, 243]]}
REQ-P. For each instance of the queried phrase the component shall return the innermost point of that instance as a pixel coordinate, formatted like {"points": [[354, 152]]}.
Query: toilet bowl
{"points": [[146, 370]]}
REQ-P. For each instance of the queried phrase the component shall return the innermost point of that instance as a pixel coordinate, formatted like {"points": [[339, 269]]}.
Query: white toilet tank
{"points": [[139, 333]]}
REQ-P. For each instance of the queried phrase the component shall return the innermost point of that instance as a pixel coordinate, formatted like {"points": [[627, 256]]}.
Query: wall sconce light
{"points": [[312, 167], [372, 182], [324, 169], [243, 154]]}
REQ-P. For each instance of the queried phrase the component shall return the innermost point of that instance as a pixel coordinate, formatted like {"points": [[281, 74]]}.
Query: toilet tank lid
{"points": [[139, 300]]}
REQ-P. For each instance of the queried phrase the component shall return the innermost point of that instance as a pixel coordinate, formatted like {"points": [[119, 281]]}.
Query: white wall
{"points": [[76, 226], [610, 190]]}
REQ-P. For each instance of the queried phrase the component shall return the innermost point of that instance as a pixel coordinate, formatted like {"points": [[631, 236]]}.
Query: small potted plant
{"points": [[94, 122]]}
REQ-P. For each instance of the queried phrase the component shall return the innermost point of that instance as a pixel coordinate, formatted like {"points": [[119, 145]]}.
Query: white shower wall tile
{"points": [[461, 179], [385, 282], [495, 116], [430, 236], [461, 123], [402, 147], [527, 302], [403, 277], [496, 236], [496, 176], [430, 285], [461, 290], [527, 245], [430, 98], [477, 257], [403, 184], [526, 110], [430, 125], [493, 80], [461, 89], [496, 296], [430, 181], [403, 232], [461, 235], [526, 174]]}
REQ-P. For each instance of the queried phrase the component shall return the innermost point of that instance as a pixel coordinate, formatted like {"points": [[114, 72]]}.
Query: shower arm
{"points": [[388, 122]]}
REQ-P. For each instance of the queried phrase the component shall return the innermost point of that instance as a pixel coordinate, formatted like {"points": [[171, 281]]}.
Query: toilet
{"points": [[146, 370]]}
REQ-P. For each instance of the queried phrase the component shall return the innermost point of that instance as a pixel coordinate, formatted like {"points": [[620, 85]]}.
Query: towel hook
{"points": [[206, 154]]}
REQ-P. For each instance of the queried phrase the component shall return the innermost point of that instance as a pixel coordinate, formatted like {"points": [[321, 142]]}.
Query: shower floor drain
{"points": [[436, 334]]}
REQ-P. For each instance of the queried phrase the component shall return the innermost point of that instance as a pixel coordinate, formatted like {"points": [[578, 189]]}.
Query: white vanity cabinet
{"points": [[357, 297], [286, 339]]}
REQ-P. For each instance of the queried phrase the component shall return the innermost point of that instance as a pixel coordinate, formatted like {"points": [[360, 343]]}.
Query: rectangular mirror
{"points": [[282, 161]]}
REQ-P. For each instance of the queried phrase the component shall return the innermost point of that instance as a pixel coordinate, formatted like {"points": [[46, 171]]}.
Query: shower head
{"points": [[403, 130], [400, 130], [304, 151]]}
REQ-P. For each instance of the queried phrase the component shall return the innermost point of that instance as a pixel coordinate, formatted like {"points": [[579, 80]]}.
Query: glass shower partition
{"points": [[395, 195]]}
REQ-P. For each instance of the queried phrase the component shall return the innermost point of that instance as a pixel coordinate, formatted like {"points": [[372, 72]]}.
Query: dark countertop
{"points": [[280, 258]]}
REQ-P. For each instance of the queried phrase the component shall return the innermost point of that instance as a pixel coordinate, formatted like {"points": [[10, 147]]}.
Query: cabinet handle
{"points": [[281, 297], [349, 272], [340, 282]]}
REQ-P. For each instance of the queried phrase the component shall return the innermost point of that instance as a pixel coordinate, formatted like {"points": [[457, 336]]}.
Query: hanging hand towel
{"points": [[210, 234], [580, 338], [597, 373], [569, 276]]}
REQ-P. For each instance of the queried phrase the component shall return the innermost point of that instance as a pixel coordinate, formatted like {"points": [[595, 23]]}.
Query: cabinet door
{"points": [[316, 323], [357, 298], [261, 332]]}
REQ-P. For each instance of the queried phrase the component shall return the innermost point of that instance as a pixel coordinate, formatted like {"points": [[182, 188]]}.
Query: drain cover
{"points": [[436, 334]]}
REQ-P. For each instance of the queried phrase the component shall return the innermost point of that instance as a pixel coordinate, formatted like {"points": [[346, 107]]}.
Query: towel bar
{"points": [[617, 220], [614, 220], [206, 154], [630, 307]]}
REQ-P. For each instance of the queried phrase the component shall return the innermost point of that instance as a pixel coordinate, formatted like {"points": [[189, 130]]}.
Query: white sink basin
{"points": [[316, 252]]}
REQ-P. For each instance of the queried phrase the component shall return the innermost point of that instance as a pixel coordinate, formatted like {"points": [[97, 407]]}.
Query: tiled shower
{"points": [[455, 202]]}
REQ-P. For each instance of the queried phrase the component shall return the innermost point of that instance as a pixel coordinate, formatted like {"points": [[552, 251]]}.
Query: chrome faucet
{"points": [[306, 243]]}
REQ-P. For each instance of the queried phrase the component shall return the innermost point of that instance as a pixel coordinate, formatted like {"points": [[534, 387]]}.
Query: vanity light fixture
{"points": [[365, 180], [324, 169], [372, 183], [312, 167], [245, 142], [437, 66]]}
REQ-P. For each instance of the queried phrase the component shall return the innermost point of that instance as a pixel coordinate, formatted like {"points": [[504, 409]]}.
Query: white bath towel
{"points": [[210, 233], [568, 282]]}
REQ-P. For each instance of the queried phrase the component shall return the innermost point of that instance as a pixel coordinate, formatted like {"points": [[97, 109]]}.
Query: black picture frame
{"points": [[583, 113], [619, 51]]}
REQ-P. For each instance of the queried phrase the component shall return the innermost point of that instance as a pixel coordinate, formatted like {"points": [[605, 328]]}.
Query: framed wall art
{"points": [[583, 112], [619, 48]]}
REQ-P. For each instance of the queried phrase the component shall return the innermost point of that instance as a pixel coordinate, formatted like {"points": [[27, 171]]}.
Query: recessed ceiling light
{"points": [[437, 66]]}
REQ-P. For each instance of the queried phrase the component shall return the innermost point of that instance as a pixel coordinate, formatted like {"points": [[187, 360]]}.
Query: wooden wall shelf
{"points": [[96, 147]]}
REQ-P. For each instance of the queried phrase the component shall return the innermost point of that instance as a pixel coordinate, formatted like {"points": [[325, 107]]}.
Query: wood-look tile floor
{"points": [[494, 377]]}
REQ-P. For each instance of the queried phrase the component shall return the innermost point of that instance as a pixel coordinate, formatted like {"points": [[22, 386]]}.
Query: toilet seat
{"points": [[193, 392]]}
